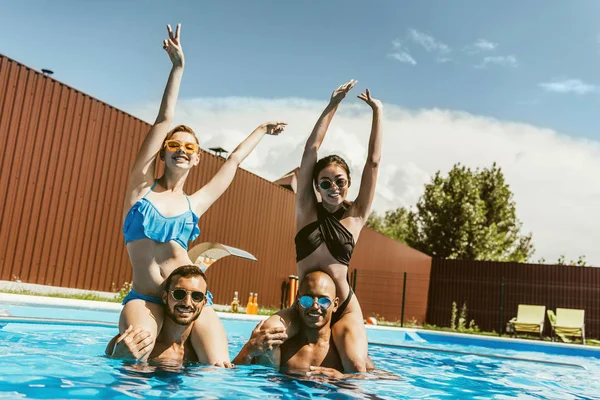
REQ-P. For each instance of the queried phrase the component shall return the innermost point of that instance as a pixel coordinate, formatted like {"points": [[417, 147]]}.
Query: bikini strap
{"points": [[152, 188], [188, 199]]}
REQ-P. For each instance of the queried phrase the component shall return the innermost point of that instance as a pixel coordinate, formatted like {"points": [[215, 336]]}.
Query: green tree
{"points": [[470, 214], [375, 221], [581, 262], [393, 224]]}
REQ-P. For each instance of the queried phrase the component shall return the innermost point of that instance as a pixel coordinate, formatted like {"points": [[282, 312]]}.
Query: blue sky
{"points": [[274, 49], [475, 82]]}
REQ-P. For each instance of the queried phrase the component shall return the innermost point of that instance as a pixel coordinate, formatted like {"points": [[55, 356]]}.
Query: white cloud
{"points": [[397, 43], [503, 61], [569, 86], [403, 57], [553, 176], [485, 45], [481, 45], [442, 60], [401, 54], [429, 43]]}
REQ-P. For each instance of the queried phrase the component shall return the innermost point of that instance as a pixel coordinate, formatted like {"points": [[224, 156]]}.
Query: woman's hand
{"points": [[172, 45], [374, 103], [274, 127], [338, 94]]}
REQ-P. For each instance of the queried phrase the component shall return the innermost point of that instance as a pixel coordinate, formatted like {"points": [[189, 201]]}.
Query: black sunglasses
{"points": [[181, 294], [326, 183]]}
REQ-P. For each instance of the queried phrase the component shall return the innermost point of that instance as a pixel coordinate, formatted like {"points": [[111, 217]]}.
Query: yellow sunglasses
{"points": [[174, 145]]}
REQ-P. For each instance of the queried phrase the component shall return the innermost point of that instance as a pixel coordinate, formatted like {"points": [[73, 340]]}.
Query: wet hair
{"points": [[326, 162], [178, 128], [185, 271]]}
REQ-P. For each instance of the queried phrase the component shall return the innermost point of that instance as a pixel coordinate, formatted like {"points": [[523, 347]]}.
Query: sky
{"points": [[474, 82]]}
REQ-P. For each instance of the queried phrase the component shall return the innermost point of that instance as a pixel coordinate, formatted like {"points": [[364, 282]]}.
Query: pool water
{"points": [[58, 361]]}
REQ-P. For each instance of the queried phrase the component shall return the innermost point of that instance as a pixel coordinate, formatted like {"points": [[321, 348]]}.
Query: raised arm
{"points": [[209, 193], [142, 172], [362, 205], [305, 197]]}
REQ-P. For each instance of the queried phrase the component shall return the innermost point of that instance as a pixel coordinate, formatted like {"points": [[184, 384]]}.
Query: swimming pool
{"points": [[66, 361]]}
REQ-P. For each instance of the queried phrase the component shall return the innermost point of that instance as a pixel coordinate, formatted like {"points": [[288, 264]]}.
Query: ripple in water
{"points": [[69, 363]]}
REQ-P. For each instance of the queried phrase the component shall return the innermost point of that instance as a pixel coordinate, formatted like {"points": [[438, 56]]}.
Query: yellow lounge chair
{"points": [[569, 322], [529, 319]]}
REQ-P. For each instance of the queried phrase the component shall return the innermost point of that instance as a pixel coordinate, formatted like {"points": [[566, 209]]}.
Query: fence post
{"points": [[292, 289], [403, 298], [284, 296], [501, 305]]}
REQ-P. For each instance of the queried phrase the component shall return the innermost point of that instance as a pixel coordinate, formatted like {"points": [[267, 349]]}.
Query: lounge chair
{"points": [[529, 319], [568, 322], [552, 319]]}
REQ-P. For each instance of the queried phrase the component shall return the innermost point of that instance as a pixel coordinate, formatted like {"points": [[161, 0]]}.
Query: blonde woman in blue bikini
{"points": [[160, 220]]}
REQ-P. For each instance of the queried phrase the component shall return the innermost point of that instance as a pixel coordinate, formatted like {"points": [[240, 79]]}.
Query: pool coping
{"points": [[93, 305], [18, 286], [27, 300], [505, 339]]}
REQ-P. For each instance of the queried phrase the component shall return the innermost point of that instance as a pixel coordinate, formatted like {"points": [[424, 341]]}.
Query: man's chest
{"points": [[302, 357], [174, 352]]}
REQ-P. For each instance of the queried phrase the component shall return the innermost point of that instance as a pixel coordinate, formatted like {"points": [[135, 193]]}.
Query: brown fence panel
{"points": [[62, 180], [493, 291], [380, 263]]}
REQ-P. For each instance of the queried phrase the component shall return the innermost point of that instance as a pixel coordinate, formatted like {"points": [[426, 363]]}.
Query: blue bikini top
{"points": [[144, 221]]}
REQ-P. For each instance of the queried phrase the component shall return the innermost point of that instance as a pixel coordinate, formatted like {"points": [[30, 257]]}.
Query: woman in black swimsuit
{"points": [[327, 230]]}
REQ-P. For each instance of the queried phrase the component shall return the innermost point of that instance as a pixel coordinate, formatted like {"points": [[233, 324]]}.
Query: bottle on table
{"points": [[235, 304], [255, 304], [249, 304]]}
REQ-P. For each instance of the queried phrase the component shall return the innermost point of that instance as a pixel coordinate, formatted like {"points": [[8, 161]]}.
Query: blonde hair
{"points": [[178, 128], [181, 128]]}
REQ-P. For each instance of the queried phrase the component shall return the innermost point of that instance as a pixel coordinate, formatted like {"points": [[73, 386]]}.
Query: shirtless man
{"points": [[312, 350], [183, 298]]}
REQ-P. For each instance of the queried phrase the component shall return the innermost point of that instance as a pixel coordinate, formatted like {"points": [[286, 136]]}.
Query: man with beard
{"points": [[184, 297], [312, 350]]}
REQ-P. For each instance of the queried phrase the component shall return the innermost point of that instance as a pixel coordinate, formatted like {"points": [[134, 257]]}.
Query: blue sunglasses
{"points": [[308, 301]]}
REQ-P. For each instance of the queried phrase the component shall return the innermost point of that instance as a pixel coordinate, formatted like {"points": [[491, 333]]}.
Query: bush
{"points": [[453, 316], [124, 291], [462, 320]]}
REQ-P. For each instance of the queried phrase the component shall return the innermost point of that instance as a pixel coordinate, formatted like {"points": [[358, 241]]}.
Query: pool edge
{"points": [[27, 300]]}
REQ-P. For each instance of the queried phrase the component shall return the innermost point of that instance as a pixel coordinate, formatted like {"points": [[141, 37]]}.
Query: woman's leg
{"points": [[139, 314], [209, 339], [350, 338]]}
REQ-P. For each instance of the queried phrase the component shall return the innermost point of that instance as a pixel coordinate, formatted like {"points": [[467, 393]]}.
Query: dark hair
{"points": [[326, 162], [178, 128], [185, 271]]}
